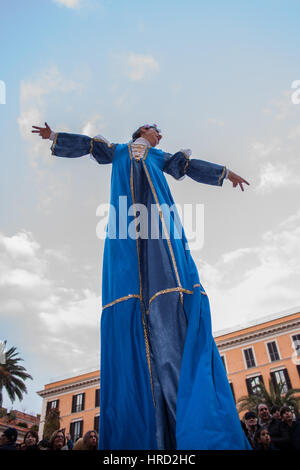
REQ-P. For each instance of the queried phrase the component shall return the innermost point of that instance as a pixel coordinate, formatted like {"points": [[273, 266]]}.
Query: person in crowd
{"points": [[291, 426], [88, 442], [251, 426], [30, 441], [58, 441], [43, 444], [275, 412], [69, 441], [279, 435], [263, 440], [8, 439], [79, 444], [263, 413]]}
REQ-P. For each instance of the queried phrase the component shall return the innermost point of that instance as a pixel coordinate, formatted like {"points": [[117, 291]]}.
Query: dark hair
{"points": [[43, 443], [137, 133], [33, 433], [274, 409], [283, 410], [258, 432]]}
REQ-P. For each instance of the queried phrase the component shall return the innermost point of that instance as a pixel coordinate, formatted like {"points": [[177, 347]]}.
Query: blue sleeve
{"points": [[179, 165], [77, 145]]}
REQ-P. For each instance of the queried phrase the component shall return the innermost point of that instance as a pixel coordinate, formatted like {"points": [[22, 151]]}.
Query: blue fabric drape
{"points": [[163, 383]]}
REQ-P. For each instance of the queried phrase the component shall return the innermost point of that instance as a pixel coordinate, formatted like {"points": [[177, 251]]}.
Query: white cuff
{"points": [[52, 135], [187, 152]]}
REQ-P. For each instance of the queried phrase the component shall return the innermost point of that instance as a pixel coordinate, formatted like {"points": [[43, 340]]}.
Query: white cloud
{"points": [[252, 282], [21, 244], [33, 103], [93, 126], [141, 66], [275, 176], [36, 299], [68, 3], [22, 278]]}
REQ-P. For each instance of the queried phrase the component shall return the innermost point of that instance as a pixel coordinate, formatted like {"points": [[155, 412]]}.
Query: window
{"points": [[253, 384], [51, 405], [296, 341], [273, 351], [249, 358], [97, 398], [76, 430], [281, 377], [96, 424], [78, 402]]}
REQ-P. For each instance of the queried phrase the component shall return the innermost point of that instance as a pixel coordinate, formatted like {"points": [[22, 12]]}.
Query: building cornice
{"points": [[64, 388], [254, 335]]}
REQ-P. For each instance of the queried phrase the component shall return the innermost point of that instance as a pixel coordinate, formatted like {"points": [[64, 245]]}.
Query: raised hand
{"points": [[236, 179], [44, 132]]}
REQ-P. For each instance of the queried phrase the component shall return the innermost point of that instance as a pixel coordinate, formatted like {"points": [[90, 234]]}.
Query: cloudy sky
{"points": [[219, 78]]}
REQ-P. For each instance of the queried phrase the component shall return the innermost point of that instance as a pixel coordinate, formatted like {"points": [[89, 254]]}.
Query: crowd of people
{"points": [[57, 441], [274, 429]]}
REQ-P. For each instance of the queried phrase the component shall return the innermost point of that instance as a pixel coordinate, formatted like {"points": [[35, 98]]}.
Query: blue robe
{"points": [[163, 383]]}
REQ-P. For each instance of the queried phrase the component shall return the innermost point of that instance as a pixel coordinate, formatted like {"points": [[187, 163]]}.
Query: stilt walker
{"points": [[163, 383]]}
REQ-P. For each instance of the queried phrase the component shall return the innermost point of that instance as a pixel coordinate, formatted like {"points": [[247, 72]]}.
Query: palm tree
{"points": [[275, 397], [12, 376]]}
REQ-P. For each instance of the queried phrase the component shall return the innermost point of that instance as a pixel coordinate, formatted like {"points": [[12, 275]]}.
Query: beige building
{"points": [[263, 350]]}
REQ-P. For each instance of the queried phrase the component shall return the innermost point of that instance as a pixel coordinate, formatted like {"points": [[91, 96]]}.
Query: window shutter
{"points": [[72, 431], [287, 378], [273, 378], [96, 424], [57, 404], [298, 369], [249, 388], [81, 428], [73, 403], [48, 407], [83, 401]]}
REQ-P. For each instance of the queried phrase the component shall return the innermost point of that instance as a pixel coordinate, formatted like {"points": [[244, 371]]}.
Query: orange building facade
{"points": [[77, 400], [263, 351], [266, 350]]}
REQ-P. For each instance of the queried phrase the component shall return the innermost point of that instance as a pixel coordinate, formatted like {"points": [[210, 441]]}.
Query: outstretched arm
{"points": [[76, 145], [180, 164]]}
